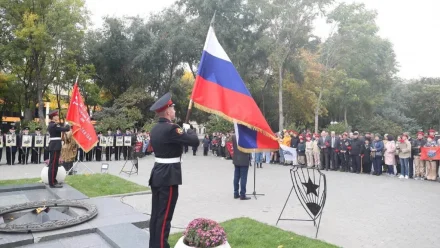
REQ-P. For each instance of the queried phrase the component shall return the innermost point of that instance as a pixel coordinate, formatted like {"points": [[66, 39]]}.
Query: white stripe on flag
{"points": [[213, 47], [236, 132]]}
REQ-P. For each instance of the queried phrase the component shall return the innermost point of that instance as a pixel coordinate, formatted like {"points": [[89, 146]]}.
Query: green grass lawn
{"points": [[91, 185], [248, 233]]}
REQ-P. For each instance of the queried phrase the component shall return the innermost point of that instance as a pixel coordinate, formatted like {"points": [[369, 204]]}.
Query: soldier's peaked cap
{"points": [[26, 128], [53, 113], [38, 129], [162, 104]]}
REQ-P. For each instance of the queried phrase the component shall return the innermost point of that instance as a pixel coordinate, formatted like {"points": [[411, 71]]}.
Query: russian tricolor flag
{"points": [[219, 89]]}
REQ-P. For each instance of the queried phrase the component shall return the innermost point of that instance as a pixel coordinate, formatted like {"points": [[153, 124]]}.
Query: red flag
{"points": [[430, 153], [82, 128]]}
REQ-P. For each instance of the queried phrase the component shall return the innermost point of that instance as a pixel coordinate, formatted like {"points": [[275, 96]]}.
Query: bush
{"points": [[204, 233], [337, 128]]}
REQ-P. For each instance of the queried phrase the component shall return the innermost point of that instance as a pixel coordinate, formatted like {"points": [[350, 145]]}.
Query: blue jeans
{"points": [[377, 164], [240, 175], [258, 157], [390, 169], [404, 166]]}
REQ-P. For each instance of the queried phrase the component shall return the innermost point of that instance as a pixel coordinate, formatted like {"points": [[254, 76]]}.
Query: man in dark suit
{"points": [[241, 162], [324, 145], [54, 129], [334, 153]]}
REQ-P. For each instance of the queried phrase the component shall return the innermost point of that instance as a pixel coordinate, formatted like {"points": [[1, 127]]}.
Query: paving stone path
{"points": [[361, 210]]}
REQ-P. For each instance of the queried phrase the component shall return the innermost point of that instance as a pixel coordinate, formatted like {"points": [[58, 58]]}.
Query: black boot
{"points": [[261, 165]]}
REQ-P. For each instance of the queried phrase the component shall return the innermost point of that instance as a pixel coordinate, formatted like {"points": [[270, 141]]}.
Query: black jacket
{"points": [[55, 130], [240, 158], [167, 140], [356, 145]]}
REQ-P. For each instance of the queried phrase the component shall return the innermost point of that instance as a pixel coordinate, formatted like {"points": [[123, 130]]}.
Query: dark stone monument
{"points": [[46, 217]]}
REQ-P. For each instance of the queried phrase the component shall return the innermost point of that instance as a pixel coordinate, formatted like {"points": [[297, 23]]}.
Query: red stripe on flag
{"points": [[231, 103]]}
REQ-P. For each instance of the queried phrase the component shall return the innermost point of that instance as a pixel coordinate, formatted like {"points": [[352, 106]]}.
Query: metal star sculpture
{"points": [[311, 189]]}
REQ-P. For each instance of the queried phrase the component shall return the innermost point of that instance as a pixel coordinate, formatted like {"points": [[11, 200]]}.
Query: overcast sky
{"points": [[412, 26]]}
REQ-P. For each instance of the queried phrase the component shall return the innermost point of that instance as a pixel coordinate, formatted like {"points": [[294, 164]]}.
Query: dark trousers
{"points": [[89, 155], [20, 155], [356, 163], [343, 157], [334, 159], [25, 155], [163, 203], [186, 148], [81, 155], [98, 154], [366, 163], [125, 152], [10, 156], [411, 168], [377, 165], [240, 176], [194, 151], [223, 151], [108, 153], [325, 159], [46, 154], [1, 153], [118, 152], [54, 158], [36, 155], [205, 151]]}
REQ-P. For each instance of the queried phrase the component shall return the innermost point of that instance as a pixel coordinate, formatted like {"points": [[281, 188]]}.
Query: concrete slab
{"points": [[112, 212], [14, 240], [92, 240], [67, 193], [11, 198], [9, 188], [124, 236]]}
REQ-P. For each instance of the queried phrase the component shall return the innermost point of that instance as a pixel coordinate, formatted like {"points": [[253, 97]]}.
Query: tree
{"points": [[217, 124], [291, 28], [41, 34], [366, 62]]}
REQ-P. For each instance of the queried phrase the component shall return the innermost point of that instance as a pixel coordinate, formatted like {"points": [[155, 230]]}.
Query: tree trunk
{"points": [[41, 116], [345, 118], [280, 99], [318, 106], [28, 114]]}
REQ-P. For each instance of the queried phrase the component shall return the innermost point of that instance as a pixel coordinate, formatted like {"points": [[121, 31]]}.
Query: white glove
{"points": [[186, 126]]}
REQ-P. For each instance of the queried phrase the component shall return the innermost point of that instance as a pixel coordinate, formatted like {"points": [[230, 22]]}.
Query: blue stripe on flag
{"points": [[221, 72]]}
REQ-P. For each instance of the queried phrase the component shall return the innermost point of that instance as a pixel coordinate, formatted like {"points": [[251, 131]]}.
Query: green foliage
{"points": [[32, 125], [129, 110], [149, 125], [378, 124], [337, 128], [218, 124]]}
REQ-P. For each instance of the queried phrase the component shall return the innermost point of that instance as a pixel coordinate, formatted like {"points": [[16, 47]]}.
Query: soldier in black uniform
{"points": [[55, 129], [24, 149], [98, 148], [109, 147], [11, 151], [167, 140], [36, 151]]}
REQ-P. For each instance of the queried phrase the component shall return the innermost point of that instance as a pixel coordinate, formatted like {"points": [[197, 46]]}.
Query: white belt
{"points": [[167, 160], [56, 138]]}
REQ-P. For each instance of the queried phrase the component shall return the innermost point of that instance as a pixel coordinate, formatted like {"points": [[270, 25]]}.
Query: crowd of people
{"points": [[347, 152], [22, 145]]}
